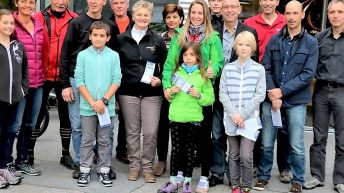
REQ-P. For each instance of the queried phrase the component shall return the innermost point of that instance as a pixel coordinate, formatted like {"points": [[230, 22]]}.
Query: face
{"points": [[59, 5], [95, 6], [231, 10], [173, 20], [120, 7], [215, 6], [268, 6], [26, 7], [196, 14], [99, 38], [336, 14], [294, 14], [6, 25], [243, 49], [142, 18], [189, 57]]}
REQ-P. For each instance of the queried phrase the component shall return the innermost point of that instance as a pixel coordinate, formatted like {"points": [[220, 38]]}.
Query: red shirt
{"points": [[122, 24], [264, 30]]}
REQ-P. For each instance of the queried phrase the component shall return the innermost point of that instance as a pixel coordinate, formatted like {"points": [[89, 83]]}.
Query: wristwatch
{"points": [[105, 101]]}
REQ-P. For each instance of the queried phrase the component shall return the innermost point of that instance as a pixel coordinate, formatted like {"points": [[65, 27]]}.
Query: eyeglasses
{"points": [[230, 6]]}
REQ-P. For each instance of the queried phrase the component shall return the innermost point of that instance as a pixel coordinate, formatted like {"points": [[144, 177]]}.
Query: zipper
{"points": [[98, 77], [11, 72], [57, 57], [241, 87]]}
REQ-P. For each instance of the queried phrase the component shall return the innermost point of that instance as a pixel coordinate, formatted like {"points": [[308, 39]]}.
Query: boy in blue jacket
{"points": [[97, 76]]}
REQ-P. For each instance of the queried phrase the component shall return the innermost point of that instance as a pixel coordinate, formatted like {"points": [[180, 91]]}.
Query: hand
{"points": [[175, 89], [98, 106], [155, 81], [276, 104], [117, 106], [238, 120], [274, 94], [167, 94], [193, 92], [210, 70], [67, 94]]}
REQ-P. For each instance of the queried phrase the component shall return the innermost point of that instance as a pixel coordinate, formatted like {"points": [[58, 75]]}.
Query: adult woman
{"points": [[29, 31], [142, 54], [173, 16], [198, 29]]}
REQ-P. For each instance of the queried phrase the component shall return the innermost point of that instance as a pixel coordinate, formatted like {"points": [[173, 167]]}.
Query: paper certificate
{"points": [[276, 118], [148, 74], [251, 129], [181, 83], [104, 119]]}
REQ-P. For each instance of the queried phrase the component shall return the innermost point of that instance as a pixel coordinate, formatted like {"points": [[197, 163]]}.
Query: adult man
{"points": [[268, 23], [56, 19], [328, 98], [290, 61], [122, 18], [77, 39], [229, 28]]}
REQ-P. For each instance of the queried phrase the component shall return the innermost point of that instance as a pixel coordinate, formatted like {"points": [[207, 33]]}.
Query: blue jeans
{"points": [[26, 118], [75, 120], [293, 120]]}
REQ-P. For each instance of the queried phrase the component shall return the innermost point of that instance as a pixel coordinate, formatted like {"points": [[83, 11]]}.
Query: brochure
{"points": [[104, 119], [149, 72], [181, 83]]}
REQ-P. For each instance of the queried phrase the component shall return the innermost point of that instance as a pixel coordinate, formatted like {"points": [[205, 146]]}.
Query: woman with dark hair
{"points": [[198, 29], [173, 16]]}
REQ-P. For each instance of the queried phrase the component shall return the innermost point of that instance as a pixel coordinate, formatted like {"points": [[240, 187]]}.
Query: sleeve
{"points": [[255, 56], [207, 94], [113, 42], [216, 56], [162, 56], [266, 62], [25, 76], [258, 97], [224, 97], [80, 71], [117, 75], [307, 74], [170, 63]]}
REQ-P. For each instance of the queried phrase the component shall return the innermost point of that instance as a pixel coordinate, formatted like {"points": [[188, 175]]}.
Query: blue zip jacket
{"points": [[97, 70]]}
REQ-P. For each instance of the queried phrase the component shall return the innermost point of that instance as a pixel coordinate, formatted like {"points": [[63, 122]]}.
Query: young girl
{"points": [[242, 89], [189, 93], [13, 86]]}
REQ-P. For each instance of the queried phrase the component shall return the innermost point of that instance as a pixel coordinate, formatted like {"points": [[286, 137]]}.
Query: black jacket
{"points": [[76, 40], [113, 18], [133, 62], [14, 86]]}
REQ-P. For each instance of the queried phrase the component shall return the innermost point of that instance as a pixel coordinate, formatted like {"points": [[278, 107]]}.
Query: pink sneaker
{"points": [[168, 188], [236, 189], [10, 177]]}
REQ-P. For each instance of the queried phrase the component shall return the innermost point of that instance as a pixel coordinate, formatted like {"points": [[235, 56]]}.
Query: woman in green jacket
{"points": [[198, 29]]}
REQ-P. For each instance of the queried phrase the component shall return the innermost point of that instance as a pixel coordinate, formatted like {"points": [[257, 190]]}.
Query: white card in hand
{"points": [[104, 119], [276, 118], [149, 72]]}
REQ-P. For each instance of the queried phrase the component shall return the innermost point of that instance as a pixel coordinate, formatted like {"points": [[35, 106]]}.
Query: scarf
{"points": [[189, 69], [195, 33]]}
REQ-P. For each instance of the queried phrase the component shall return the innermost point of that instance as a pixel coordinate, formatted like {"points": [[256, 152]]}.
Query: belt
{"points": [[330, 84]]}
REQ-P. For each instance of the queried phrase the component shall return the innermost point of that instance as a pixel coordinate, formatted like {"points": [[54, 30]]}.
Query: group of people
{"points": [[211, 82]]}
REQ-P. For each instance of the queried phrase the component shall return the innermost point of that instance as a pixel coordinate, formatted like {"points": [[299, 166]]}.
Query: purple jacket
{"points": [[35, 50]]}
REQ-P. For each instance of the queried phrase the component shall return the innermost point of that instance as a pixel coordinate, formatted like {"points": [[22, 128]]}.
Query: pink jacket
{"points": [[36, 47]]}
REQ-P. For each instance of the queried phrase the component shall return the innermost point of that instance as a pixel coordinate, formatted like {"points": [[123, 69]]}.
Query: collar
{"points": [[285, 33], [330, 33], [137, 31], [280, 19], [226, 30]]}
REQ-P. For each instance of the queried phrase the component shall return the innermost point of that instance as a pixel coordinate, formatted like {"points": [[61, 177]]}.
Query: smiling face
{"points": [[336, 14], [294, 14], [196, 14], [25, 7], [142, 18], [268, 6], [120, 7], [173, 20], [59, 5], [96, 6], [189, 57], [215, 6], [6, 25], [231, 10]]}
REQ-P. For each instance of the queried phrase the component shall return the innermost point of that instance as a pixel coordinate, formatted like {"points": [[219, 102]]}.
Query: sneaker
{"points": [[112, 174], [9, 177], [133, 175], [27, 169], [285, 177], [295, 188], [85, 177], [148, 176], [76, 172], [168, 188], [260, 185], [123, 158], [12, 168], [104, 177], [245, 190], [202, 186], [3, 183], [213, 181], [160, 168], [312, 183], [67, 161], [187, 188], [235, 189], [180, 180], [339, 188]]}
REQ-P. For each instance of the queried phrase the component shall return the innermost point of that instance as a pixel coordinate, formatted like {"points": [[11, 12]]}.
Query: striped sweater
{"points": [[242, 89]]}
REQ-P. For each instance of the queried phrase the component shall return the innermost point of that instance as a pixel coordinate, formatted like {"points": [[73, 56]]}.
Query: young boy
{"points": [[97, 76]]}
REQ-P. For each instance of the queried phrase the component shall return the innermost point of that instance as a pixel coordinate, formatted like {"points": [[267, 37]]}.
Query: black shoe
{"points": [[123, 158], [67, 161], [213, 181], [112, 174], [76, 173]]}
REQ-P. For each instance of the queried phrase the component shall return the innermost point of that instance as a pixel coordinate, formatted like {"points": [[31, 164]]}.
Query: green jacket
{"points": [[186, 108], [211, 49]]}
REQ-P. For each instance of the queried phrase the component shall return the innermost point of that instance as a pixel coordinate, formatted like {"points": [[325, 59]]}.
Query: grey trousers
{"points": [[240, 161], [91, 132], [141, 114]]}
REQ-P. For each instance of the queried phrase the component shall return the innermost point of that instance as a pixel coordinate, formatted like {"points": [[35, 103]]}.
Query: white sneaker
{"points": [[85, 177], [203, 185]]}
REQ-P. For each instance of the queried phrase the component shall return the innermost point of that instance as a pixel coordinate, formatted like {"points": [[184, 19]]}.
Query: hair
{"points": [[4, 12], [334, 1], [99, 25], [111, 2], [207, 22], [173, 8], [143, 4], [248, 37], [197, 50]]}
